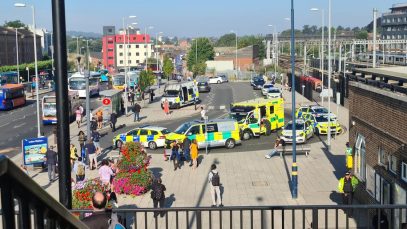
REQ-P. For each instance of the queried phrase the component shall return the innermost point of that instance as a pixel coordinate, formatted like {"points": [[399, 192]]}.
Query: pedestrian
{"points": [[91, 115], [175, 157], [79, 169], [346, 187], [100, 217], [78, 115], [384, 223], [73, 154], [214, 181], [93, 124], [203, 114], [82, 110], [51, 158], [166, 107], [96, 139], [81, 140], [158, 196], [137, 109], [151, 95], [194, 154], [132, 97], [105, 173], [349, 158], [279, 142], [99, 118], [186, 144], [113, 120], [122, 108], [92, 154]]}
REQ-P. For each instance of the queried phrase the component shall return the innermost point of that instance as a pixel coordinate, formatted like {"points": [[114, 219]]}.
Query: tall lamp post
{"points": [[321, 66], [329, 75], [235, 51], [294, 174], [36, 66], [145, 44], [275, 49], [156, 52], [87, 76], [18, 67], [125, 65]]}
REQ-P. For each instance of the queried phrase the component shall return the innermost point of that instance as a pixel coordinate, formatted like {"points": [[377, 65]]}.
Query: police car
{"points": [[304, 131], [313, 109], [320, 123], [149, 136]]}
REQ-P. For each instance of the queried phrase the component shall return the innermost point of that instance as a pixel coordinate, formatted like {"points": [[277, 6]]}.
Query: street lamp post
{"points": [[145, 42], [275, 50], [87, 76], [156, 52], [329, 77], [18, 67], [125, 66], [36, 66], [236, 69], [322, 47]]}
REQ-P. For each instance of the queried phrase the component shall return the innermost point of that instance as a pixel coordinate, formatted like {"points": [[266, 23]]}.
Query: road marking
{"points": [[222, 107], [211, 107], [5, 124], [19, 118], [20, 125]]}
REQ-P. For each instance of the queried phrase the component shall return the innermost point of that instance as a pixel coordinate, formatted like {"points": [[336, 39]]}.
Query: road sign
{"points": [[34, 150], [106, 101]]}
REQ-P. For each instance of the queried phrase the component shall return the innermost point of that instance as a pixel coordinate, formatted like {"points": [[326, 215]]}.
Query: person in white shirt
{"points": [[203, 113]]}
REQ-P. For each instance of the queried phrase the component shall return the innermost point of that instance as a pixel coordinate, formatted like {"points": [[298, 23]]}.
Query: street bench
{"points": [[300, 149]]}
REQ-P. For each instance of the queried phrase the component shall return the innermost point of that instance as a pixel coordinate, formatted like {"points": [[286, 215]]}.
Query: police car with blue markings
{"points": [[147, 135]]}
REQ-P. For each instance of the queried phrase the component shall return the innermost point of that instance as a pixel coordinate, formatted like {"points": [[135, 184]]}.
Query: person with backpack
{"points": [[175, 156], [137, 109], [158, 196], [79, 170], [96, 139], [214, 181]]}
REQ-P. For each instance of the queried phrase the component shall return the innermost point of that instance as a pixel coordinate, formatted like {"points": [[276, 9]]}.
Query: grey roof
{"points": [[397, 73], [110, 93]]}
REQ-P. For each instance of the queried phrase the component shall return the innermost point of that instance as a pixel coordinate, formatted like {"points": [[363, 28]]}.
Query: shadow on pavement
{"points": [[337, 161], [156, 172], [288, 174], [336, 197], [169, 201]]}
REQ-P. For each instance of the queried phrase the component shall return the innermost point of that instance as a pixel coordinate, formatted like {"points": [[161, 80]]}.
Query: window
{"points": [[194, 130], [110, 58], [129, 62], [120, 54], [143, 132], [360, 158], [129, 54], [110, 30], [211, 128], [133, 132], [137, 61], [381, 156], [393, 163], [137, 54], [110, 42], [110, 50], [145, 54], [145, 46], [370, 180], [404, 171], [271, 109], [120, 46], [128, 46], [137, 46], [121, 62], [153, 132]]}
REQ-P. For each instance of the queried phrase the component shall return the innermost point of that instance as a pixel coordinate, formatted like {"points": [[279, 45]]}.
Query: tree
{"points": [[15, 24], [306, 29], [363, 34], [168, 67], [340, 28], [146, 79], [253, 40], [227, 40], [199, 69], [200, 52]]}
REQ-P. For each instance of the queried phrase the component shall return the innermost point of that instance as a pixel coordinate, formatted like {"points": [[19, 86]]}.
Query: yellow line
{"points": [[294, 173], [295, 164]]}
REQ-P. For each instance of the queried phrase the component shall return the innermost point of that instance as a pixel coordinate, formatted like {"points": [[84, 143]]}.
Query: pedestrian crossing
{"points": [[221, 107]]}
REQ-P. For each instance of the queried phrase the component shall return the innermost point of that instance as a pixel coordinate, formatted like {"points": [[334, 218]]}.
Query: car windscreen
{"points": [[298, 126], [320, 110], [323, 118], [240, 117], [183, 128], [202, 83], [267, 86], [171, 93], [50, 109], [165, 131], [274, 90]]}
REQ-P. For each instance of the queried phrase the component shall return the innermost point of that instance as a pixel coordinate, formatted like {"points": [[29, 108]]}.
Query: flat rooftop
{"points": [[394, 73]]}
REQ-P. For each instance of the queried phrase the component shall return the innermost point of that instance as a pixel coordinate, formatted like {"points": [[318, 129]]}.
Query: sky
{"points": [[191, 18]]}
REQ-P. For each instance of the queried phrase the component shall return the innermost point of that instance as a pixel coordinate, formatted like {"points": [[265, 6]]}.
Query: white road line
{"points": [[20, 125], [211, 107], [5, 124], [17, 119], [222, 107]]}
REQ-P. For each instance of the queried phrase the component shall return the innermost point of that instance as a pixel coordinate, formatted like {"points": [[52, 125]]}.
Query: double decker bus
{"points": [[11, 96], [49, 107], [77, 83]]}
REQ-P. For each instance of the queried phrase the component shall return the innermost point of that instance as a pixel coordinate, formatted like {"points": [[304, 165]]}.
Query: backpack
{"points": [[114, 222], [215, 179], [80, 170], [96, 137], [158, 192]]}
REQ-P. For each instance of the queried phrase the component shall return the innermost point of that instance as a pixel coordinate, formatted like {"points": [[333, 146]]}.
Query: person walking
{"points": [[194, 154], [99, 118], [92, 154], [175, 157], [51, 158], [214, 181], [137, 109], [79, 169], [158, 196], [151, 95], [349, 158], [82, 110], [105, 173], [73, 154], [166, 107], [279, 142], [78, 115], [203, 114], [346, 187], [113, 121], [132, 98], [82, 140], [186, 144], [96, 139]]}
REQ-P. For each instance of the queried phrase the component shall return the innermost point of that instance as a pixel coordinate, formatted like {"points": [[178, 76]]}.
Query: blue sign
{"points": [[34, 150]]}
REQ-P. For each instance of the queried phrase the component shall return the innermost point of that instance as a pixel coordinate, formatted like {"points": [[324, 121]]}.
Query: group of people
{"points": [[187, 150]]}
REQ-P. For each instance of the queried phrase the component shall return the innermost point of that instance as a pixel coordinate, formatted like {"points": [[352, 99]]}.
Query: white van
{"points": [[181, 94]]}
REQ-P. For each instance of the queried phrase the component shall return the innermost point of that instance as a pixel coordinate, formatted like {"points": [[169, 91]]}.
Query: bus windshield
{"points": [[171, 93], [118, 81], [183, 128], [49, 110], [77, 84]]}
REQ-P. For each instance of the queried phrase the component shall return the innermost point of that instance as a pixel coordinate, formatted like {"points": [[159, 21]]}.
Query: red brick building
{"points": [[378, 135], [247, 57]]}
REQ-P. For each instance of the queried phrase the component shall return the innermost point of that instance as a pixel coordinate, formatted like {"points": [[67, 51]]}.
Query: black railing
{"points": [[306, 216], [24, 204]]}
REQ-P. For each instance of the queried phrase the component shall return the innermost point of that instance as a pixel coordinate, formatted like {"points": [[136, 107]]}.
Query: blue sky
{"points": [[196, 18]]}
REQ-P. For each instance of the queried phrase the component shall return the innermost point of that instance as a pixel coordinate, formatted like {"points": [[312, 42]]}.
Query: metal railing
{"points": [[24, 204], [307, 216]]}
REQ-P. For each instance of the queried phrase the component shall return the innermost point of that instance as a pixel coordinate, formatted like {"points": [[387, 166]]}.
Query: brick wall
{"points": [[381, 118]]}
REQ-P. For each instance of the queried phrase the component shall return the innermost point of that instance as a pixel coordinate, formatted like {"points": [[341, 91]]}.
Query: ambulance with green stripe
{"points": [[218, 132], [258, 116], [149, 136]]}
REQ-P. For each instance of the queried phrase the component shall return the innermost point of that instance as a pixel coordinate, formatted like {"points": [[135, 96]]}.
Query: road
{"points": [[21, 123], [218, 101]]}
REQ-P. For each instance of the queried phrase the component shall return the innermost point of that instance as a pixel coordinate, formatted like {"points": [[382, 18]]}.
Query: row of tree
{"points": [[359, 33]]}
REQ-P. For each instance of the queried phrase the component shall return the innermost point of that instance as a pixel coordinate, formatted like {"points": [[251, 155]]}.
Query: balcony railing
{"points": [[311, 216], [24, 204]]}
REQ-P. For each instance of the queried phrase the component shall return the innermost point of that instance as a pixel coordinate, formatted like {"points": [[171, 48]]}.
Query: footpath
{"points": [[247, 178]]}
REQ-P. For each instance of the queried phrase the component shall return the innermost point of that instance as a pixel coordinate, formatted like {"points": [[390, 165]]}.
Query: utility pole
{"points": [[329, 77], [18, 67], [87, 76], [125, 69], [374, 36]]}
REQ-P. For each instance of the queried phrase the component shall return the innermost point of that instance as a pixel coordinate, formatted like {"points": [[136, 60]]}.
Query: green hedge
{"points": [[45, 64]]}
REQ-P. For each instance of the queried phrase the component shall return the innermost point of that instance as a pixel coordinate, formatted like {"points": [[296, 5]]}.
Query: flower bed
{"points": [[83, 191]]}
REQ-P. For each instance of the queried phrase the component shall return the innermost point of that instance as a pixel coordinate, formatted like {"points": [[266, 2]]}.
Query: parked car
{"points": [[274, 93], [254, 78], [304, 131], [258, 83], [215, 79], [224, 78], [265, 88], [203, 86]]}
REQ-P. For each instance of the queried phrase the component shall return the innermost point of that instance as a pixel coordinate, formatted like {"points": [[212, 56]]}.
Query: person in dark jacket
{"points": [[100, 217], [186, 144], [113, 120], [137, 109], [158, 195], [51, 158], [151, 95]]}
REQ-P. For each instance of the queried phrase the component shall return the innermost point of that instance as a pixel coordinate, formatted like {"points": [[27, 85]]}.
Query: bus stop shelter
{"points": [[111, 100]]}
